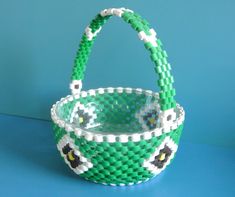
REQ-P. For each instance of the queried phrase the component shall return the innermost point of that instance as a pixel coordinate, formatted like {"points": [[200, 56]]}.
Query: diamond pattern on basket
{"points": [[82, 116], [161, 156], [73, 159], [148, 116], [72, 156]]}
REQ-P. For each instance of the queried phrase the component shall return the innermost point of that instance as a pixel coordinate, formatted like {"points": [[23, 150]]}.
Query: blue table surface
{"points": [[31, 166]]}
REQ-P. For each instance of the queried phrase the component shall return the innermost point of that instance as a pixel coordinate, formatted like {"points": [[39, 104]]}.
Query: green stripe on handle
{"points": [[151, 43]]}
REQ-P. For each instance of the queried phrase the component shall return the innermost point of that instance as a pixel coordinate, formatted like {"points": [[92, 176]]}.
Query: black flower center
{"points": [[151, 119], [73, 159], [84, 118], [162, 157]]}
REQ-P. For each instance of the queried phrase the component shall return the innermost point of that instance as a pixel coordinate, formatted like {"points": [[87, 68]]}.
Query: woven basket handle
{"points": [[151, 43]]}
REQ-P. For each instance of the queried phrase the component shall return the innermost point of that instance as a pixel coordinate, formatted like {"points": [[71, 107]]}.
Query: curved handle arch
{"points": [[151, 43]]}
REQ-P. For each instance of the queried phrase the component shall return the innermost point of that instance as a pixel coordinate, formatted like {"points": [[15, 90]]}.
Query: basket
{"points": [[119, 136]]}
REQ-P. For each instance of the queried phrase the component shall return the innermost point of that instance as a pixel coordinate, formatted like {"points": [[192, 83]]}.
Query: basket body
{"points": [[112, 136]]}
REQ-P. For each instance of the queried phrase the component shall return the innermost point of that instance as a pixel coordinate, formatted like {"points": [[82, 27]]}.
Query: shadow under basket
{"points": [[119, 136]]}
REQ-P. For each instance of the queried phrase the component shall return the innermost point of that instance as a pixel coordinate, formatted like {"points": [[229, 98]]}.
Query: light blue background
{"points": [[39, 39]]}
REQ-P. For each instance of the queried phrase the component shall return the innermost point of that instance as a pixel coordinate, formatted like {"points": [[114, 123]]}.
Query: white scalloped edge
{"points": [[154, 169], [86, 164], [124, 138], [120, 184]]}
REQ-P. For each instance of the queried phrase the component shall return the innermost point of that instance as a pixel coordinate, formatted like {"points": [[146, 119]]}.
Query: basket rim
{"points": [[107, 137]]}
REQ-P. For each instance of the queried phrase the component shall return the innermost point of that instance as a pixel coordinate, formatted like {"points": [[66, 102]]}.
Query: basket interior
{"points": [[112, 112]]}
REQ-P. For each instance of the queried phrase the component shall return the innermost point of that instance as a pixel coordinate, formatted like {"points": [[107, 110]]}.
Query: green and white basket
{"points": [[119, 136]]}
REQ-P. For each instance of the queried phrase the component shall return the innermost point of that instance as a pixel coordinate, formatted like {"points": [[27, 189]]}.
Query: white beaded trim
{"points": [[123, 184], [73, 86], [106, 12], [149, 38], [154, 169], [114, 11], [124, 138], [166, 123], [89, 33], [86, 164], [120, 184]]}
